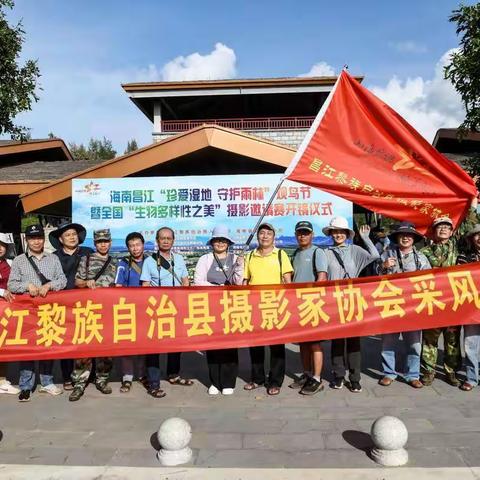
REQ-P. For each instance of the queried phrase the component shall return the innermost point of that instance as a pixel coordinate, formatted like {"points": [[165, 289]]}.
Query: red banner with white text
{"points": [[360, 149], [127, 321]]}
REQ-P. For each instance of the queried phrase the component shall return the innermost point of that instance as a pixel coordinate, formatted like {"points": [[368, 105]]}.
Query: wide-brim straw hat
{"points": [[338, 223], [55, 235], [220, 231]]}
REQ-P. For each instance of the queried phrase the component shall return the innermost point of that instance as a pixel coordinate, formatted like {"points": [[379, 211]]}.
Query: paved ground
{"points": [[249, 429]]}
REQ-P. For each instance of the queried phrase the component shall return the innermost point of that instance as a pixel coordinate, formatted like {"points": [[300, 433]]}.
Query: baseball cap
{"points": [[104, 234], [304, 225], [266, 226], [34, 231]]}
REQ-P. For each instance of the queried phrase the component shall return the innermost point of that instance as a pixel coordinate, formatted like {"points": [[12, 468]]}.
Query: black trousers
{"points": [[277, 365], [173, 364], [223, 367], [346, 354], [67, 369]]}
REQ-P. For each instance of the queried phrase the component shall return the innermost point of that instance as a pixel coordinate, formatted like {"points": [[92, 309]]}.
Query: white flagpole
{"points": [[312, 130], [295, 160]]}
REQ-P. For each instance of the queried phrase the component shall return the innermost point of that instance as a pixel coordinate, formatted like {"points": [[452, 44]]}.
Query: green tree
{"points": [[17, 83], [131, 146], [464, 73], [98, 150], [464, 67]]}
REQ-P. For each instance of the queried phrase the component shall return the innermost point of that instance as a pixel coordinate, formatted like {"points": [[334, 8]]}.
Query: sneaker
{"points": [[228, 391], [337, 383], [52, 389], [312, 386], [104, 387], [355, 387], [299, 382], [24, 396], [76, 394], [7, 387], [213, 390]]}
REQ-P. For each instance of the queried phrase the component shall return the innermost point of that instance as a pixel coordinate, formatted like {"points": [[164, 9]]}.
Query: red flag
{"points": [[361, 149]]}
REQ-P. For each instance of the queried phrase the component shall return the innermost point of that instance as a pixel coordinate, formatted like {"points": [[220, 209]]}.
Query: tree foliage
{"points": [[17, 83], [98, 150], [464, 67], [131, 146]]}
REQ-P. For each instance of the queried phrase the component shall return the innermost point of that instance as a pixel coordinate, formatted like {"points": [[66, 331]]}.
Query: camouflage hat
{"points": [[440, 220], [102, 235]]}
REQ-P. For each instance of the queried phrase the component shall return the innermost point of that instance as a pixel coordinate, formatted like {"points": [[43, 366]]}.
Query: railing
{"points": [[272, 123]]}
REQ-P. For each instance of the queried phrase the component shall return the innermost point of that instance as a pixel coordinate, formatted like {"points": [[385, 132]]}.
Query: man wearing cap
{"points": [[267, 265], [443, 252], [94, 270], [165, 268], [67, 240], [402, 256], [36, 273], [309, 265], [129, 269], [6, 254], [347, 261]]}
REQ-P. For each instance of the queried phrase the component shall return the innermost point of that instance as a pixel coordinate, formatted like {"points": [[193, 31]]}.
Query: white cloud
{"points": [[77, 104], [220, 63], [320, 69], [408, 46], [427, 104]]}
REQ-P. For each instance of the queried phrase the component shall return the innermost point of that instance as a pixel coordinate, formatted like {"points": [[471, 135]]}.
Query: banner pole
{"points": [[262, 216]]}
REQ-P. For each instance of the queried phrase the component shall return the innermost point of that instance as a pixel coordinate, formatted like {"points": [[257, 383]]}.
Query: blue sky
{"points": [[86, 49]]}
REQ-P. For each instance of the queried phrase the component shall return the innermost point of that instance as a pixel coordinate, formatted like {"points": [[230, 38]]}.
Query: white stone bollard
{"points": [[174, 436], [389, 435]]}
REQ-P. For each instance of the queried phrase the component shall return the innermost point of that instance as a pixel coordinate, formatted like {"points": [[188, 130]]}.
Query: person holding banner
{"points": [[471, 253], [402, 256], [128, 274], [347, 261], [95, 270], [443, 252], [67, 240], [6, 252], [267, 265], [36, 273], [164, 268], [309, 265], [220, 267]]}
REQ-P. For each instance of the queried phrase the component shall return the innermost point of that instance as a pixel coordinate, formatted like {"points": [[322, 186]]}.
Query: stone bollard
{"points": [[389, 435], [174, 436]]}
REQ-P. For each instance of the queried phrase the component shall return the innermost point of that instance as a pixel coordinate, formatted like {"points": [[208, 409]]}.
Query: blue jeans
{"points": [[413, 346], [27, 374], [472, 345]]}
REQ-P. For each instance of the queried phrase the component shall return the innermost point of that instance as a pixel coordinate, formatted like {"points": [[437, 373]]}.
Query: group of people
{"points": [[72, 265]]}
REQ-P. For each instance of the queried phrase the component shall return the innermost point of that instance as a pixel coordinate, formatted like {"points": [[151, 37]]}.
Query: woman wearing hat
{"points": [[471, 332], [6, 253], [402, 256], [347, 261], [220, 267]]}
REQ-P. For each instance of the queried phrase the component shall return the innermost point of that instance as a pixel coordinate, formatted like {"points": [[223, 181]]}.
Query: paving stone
{"points": [[434, 457], [333, 459], [217, 441], [305, 425], [298, 442], [243, 458]]}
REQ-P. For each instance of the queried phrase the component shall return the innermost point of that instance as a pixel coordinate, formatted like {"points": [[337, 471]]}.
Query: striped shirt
{"points": [[22, 273]]}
